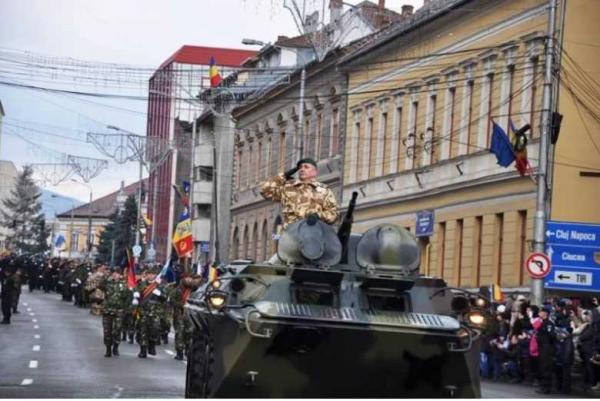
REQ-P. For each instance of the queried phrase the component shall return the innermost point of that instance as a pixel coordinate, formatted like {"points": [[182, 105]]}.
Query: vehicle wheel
{"points": [[198, 367]]}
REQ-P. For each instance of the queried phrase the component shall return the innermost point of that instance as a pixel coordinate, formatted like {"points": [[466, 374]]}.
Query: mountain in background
{"points": [[53, 203]]}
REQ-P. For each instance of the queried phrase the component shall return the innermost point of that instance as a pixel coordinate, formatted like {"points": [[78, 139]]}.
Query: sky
{"points": [[137, 32]]}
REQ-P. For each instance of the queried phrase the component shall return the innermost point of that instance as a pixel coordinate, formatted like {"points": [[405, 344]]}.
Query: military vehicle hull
{"points": [[294, 357]]}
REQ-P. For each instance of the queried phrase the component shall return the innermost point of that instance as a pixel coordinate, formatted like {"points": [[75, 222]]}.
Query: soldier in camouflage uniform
{"points": [[183, 327], [303, 197], [117, 296], [147, 297]]}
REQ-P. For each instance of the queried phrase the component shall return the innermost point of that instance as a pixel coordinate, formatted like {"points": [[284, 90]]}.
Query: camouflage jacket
{"points": [[151, 302], [298, 199], [117, 296]]}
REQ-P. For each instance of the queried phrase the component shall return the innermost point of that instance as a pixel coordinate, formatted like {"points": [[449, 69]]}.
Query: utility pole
{"points": [[301, 113], [89, 236], [139, 212], [541, 213]]}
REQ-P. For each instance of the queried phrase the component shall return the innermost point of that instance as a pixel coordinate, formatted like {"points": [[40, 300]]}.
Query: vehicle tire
{"points": [[198, 367]]}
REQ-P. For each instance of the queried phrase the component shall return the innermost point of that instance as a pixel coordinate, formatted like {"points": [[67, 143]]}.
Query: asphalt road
{"points": [[53, 349]]}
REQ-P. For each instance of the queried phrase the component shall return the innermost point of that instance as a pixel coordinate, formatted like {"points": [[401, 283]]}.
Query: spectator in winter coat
{"points": [[585, 335]]}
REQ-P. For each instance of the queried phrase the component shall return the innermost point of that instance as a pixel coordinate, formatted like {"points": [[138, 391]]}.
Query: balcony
{"points": [[203, 191]]}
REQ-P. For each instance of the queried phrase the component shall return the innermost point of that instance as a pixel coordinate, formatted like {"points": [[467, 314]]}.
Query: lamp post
{"points": [[139, 200]]}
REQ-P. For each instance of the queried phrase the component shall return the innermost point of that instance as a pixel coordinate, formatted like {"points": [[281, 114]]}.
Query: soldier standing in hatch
{"points": [[302, 197], [116, 298]]}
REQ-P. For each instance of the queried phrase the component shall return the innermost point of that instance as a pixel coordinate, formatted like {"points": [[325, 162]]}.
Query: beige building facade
{"points": [[419, 126]]}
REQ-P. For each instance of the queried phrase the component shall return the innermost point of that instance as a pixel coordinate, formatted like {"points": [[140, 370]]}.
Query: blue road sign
{"points": [[424, 226], [574, 250], [204, 246]]}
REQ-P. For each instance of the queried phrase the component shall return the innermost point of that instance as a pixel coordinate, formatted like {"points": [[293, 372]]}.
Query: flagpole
{"points": [[541, 213]]}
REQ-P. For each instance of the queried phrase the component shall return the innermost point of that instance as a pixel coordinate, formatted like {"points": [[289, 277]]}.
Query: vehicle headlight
{"points": [[476, 318], [480, 302], [216, 284], [217, 299]]}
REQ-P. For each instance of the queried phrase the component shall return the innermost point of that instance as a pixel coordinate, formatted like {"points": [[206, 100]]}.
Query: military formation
{"points": [[143, 309]]}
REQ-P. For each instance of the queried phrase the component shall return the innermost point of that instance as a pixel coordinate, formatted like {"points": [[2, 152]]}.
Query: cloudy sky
{"points": [[40, 126]]}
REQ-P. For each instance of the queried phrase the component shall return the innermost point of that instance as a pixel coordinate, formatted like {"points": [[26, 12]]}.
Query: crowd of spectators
{"points": [[548, 346]]}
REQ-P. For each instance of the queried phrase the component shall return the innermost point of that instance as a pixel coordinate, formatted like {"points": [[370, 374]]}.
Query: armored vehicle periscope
{"points": [[349, 318]]}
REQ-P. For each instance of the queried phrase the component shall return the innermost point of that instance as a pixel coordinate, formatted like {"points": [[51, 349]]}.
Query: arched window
{"points": [[245, 243], [253, 242]]}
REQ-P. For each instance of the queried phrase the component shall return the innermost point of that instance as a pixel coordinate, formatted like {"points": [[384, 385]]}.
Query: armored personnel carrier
{"points": [[334, 318]]}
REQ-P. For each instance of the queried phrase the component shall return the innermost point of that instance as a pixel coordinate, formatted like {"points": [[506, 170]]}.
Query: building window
{"points": [[74, 245], [269, 161], [203, 211], [522, 227], [265, 241], [534, 73], [249, 166], [238, 173], [451, 111], [335, 128], [490, 103], [398, 137], [259, 160], [511, 85], [433, 145], [384, 139], [306, 135], [478, 236], [366, 163], [459, 250], [281, 161], [355, 153], [469, 117], [441, 248], [235, 248], [499, 241], [318, 136], [203, 173]]}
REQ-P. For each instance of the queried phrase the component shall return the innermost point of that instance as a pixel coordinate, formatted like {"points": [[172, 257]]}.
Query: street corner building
{"points": [[419, 124]]}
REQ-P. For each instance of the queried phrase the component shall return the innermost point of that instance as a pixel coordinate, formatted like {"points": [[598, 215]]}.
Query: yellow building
{"points": [[74, 224], [421, 100]]}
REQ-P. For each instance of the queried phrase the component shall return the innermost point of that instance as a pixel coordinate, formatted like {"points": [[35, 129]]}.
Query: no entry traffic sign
{"points": [[538, 265]]}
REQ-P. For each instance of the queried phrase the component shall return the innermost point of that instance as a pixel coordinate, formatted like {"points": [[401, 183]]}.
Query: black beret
{"points": [[306, 160]]}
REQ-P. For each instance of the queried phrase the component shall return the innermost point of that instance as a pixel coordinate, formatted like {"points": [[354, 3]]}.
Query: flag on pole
{"points": [[163, 271], [213, 73], [183, 193], [131, 280], [519, 142], [501, 146], [60, 241], [182, 237]]}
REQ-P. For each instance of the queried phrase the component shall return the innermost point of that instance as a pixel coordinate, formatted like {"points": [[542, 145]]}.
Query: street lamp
{"points": [[137, 250], [89, 230]]}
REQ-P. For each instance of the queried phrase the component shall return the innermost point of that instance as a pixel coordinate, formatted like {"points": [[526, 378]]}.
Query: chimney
{"points": [[335, 10], [380, 13], [407, 11]]}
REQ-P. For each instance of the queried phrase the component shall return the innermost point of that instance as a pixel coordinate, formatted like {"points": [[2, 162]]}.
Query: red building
{"points": [[172, 107]]}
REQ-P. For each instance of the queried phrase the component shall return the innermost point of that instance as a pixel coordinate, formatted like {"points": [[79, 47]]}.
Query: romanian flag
{"points": [[131, 280], [183, 193], [519, 142], [213, 73], [182, 237]]}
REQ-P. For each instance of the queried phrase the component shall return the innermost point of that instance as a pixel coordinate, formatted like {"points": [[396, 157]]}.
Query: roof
{"points": [[296, 41], [201, 55], [433, 10], [103, 207]]}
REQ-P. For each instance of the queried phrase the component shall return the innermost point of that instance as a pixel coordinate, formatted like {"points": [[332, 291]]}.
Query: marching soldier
{"points": [[116, 297], [147, 298], [302, 197], [183, 328], [9, 291]]}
